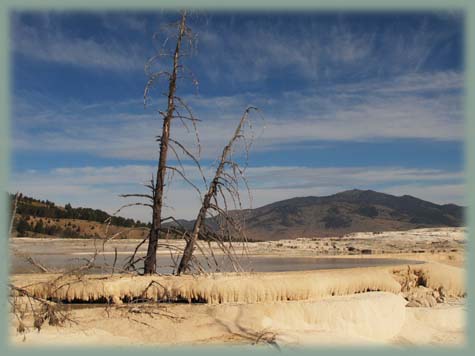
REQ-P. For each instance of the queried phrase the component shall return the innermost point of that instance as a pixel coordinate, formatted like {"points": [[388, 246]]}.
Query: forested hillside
{"points": [[43, 217]]}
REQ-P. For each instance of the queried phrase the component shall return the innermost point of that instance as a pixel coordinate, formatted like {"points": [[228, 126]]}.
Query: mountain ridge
{"points": [[338, 214], [341, 213]]}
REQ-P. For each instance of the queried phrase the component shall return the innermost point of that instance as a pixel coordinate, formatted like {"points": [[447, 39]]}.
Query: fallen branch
{"points": [[38, 265]]}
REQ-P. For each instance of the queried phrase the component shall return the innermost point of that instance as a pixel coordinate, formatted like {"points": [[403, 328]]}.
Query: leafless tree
{"points": [[12, 218], [176, 109], [157, 197], [222, 192], [224, 186]]}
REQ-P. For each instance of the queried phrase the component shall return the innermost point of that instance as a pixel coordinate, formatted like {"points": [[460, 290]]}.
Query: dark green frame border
{"points": [[248, 5]]}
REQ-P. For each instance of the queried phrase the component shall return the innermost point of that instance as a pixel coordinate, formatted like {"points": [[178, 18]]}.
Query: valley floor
{"points": [[416, 304]]}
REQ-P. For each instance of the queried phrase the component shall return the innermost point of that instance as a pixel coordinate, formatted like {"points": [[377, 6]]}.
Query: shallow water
{"points": [[103, 263]]}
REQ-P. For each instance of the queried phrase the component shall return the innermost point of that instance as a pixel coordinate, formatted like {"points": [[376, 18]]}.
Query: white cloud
{"points": [[348, 47], [289, 176], [264, 48], [409, 83], [416, 106], [309, 48], [124, 21], [312, 49], [50, 44]]}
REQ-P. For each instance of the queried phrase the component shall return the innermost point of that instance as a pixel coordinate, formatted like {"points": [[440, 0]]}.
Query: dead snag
{"points": [[150, 262], [211, 195], [12, 218]]}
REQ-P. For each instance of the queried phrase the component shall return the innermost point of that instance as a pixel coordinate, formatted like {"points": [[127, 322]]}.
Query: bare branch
{"points": [[151, 82], [182, 175], [38, 265], [136, 196], [212, 191], [193, 158]]}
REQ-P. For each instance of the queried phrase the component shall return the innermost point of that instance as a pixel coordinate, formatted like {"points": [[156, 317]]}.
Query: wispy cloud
{"points": [[240, 49], [313, 49], [304, 177], [427, 106], [265, 48], [124, 21], [50, 43], [409, 83], [323, 79]]}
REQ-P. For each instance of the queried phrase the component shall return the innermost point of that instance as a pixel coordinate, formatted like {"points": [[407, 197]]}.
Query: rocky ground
{"points": [[420, 241]]}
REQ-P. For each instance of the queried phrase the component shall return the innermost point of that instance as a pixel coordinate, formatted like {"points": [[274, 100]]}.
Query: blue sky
{"points": [[348, 100]]}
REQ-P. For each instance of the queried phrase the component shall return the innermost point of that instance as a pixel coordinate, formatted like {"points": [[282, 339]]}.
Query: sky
{"points": [[346, 100]]}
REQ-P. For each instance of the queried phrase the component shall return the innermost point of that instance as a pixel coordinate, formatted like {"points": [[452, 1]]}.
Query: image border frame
{"points": [[467, 6]]}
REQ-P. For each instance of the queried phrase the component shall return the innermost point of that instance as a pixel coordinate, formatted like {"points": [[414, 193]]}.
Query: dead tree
{"points": [[176, 109], [12, 218], [151, 258], [222, 183], [221, 180]]}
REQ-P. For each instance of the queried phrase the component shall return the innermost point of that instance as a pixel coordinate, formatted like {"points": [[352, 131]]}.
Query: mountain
{"points": [[345, 212], [334, 215]]}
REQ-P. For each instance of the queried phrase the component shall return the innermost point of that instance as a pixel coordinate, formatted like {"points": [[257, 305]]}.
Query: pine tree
{"points": [[22, 226]]}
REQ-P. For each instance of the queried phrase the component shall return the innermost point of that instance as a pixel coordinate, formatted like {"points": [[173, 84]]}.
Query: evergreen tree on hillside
{"points": [[39, 227], [22, 226], [27, 207]]}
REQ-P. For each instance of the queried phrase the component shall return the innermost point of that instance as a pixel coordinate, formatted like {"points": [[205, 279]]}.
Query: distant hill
{"points": [[345, 212], [334, 215], [36, 217]]}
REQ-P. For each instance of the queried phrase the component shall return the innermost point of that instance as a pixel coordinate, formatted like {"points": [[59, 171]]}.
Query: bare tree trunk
{"points": [[12, 218], [190, 245], [150, 263]]}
